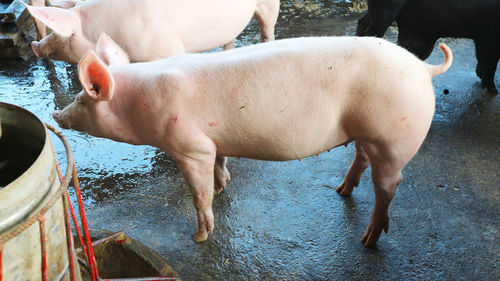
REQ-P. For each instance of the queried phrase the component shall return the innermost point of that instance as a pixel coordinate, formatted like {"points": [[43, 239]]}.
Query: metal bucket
{"points": [[35, 242]]}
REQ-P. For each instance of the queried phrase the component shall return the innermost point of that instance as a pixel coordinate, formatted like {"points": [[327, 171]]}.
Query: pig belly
{"points": [[284, 134], [287, 119]]}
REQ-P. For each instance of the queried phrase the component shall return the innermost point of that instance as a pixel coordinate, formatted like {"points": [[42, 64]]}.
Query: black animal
{"points": [[422, 22]]}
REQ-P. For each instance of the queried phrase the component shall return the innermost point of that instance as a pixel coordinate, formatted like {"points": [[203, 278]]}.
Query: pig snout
{"points": [[35, 46], [57, 115]]}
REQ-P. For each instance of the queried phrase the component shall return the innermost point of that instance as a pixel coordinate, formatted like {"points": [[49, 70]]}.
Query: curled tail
{"points": [[448, 58]]}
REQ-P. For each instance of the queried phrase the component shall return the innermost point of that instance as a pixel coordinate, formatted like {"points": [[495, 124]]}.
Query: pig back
{"points": [[155, 29]]}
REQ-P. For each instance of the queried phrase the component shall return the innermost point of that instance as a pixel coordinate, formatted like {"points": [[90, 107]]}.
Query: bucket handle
{"points": [[64, 187], [69, 156]]}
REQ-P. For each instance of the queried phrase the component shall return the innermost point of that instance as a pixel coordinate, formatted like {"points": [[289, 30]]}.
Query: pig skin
{"points": [[150, 29], [280, 100]]}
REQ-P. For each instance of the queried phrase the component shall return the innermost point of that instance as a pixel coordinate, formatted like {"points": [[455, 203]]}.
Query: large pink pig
{"points": [[281, 100], [150, 29]]}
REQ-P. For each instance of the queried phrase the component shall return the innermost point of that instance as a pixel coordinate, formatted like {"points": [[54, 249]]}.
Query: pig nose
{"points": [[34, 47], [57, 116]]}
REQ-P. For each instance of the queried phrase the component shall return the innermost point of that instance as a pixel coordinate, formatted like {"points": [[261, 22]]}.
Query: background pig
{"points": [[422, 22], [64, 3], [150, 29], [282, 100]]}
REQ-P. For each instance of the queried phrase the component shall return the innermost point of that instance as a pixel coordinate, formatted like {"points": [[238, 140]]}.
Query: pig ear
{"points": [[95, 77], [61, 21], [65, 4], [110, 52]]}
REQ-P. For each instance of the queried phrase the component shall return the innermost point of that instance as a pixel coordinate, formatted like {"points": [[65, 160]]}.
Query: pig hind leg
{"points": [[487, 53], [387, 161], [266, 14], [221, 174], [358, 166], [363, 24], [381, 15]]}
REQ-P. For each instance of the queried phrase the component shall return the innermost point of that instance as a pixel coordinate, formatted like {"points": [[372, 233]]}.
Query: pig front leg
{"points": [[355, 172], [221, 174], [196, 161], [195, 155], [198, 172], [266, 14], [40, 27]]}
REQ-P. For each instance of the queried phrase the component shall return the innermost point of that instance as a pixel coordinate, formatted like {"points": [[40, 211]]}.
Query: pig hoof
{"points": [[371, 235], [344, 190], [221, 180], [374, 230], [200, 237]]}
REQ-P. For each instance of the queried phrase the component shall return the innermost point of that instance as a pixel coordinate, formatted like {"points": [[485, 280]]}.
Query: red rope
{"points": [[66, 203], [92, 261], [88, 245], [43, 246], [69, 238], [1, 251]]}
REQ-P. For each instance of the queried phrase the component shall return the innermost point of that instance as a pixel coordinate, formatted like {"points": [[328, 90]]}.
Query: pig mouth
{"points": [[57, 117], [34, 46]]}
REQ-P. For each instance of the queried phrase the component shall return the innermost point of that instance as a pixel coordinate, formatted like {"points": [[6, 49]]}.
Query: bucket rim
{"points": [[44, 136]]}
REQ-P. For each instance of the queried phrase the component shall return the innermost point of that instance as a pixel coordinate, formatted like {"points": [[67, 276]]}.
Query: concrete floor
{"points": [[284, 220]]}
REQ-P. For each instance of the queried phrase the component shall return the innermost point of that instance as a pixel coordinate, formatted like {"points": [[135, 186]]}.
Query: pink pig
{"points": [[279, 101], [149, 29]]}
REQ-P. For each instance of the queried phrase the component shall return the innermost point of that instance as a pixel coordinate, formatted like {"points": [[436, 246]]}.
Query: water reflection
{"points": [[41, 86]]}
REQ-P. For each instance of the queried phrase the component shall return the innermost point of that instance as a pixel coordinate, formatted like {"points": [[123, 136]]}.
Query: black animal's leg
{"points": [[363, 24], [488, 54], [480, 60], [381, 14], [420, 45]]}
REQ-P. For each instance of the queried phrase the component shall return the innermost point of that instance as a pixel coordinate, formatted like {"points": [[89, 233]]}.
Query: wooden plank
{"points": [[8, 40], [4, 16], [14, 22], [9, 53], [16, 13]]}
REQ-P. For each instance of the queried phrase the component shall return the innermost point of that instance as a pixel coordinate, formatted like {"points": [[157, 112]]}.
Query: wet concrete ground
{"points": [[284, 220]]}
